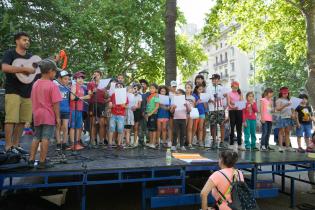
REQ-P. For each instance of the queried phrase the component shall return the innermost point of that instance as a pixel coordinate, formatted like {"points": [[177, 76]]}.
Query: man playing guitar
{"points": [[18, 105]]}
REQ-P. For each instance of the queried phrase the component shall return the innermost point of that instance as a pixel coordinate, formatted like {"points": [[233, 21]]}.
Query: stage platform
{"points": [[144, 165]]}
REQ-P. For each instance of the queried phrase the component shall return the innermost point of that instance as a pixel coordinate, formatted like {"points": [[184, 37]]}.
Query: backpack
{"points": [[241, 195]]}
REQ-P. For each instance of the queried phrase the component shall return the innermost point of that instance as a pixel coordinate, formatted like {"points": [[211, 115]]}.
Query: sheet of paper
{"points": [[295, 102], [179, 101], [165, 100], [103, 83], [112, 88], [204, 97], [120, 95], [240, 104]]}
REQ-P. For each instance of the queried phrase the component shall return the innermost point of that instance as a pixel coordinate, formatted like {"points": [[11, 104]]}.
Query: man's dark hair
{"points": [[18, 35], [228, 158], [303, 96], [143, 81]]}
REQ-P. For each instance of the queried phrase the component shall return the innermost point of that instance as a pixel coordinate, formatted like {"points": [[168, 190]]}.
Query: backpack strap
{"points": [[223, 196]]}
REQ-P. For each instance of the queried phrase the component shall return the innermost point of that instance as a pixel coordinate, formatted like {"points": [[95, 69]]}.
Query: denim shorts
{"points": [[44, 132], [116, 123], [305, 129], [64, 115], [202, 116], [76, 120], [284, 122]]}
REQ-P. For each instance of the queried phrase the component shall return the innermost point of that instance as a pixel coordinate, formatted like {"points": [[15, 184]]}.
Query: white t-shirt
{"points": [[220, 100]]}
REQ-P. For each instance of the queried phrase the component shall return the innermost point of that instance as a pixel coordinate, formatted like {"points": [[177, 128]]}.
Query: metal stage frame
{"points": [[254, 163]]}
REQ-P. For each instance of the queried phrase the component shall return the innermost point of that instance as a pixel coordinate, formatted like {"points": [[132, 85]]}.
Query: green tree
{"points": [[275, 70], [291, 22]]}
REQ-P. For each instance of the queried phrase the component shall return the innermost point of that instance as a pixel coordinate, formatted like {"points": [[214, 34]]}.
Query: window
{"points": [[232, 51], [226, 72], [232, 66], [221, 44], [221, 58], [216, 60], [251, 67], [226, 56]]}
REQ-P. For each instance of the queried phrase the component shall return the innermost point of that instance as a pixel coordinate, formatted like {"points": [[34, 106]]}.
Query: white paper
{"points": [[240, 105], [204, 97], [295, 102], [112, 88], [103, 83], [120, 95], [165, 100], [179, 101]]}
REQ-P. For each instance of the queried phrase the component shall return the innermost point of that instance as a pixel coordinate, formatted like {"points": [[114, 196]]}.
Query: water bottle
{"points": [[168, 157]]}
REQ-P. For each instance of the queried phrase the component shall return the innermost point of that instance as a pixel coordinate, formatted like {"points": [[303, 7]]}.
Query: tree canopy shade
{"points": [[125, 36], [261, 22]]}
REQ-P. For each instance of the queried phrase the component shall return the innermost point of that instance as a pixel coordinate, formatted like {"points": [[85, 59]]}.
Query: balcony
{"points": [[220, 63]]}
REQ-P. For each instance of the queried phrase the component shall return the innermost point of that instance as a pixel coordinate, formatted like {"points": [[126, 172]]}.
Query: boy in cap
{"points": [[63, 82], [45, 97]]}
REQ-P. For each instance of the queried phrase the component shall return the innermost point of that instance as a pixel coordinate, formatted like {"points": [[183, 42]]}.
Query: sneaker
{"points": [[241, 148], [190, 146], [120, 147], [221, 145], [173, 148], [301, 150], [31, 163], [231, 147], [151, 146], [270, 148], [13, 150], [255, 149], [263, 148], [44, 165], [247, 148], [64, 146], [110, 147], [21, 150], [58, 147], [290, 149], [214, 145], [280, 149], [182, 148]]}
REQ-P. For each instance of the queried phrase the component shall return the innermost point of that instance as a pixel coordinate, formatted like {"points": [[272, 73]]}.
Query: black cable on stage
{"points": [[133, 156], [305, 206]]}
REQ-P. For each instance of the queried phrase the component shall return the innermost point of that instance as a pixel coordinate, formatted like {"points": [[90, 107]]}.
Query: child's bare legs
{"points": [[43, 150], [299, 142], [127, 136], [64, 129], [287, 136], [34, 148], [119, 136], [102, 122], [78, 134], [159, 130], [190, 123], [136, 132], [57, 133], [164, 131], [110, 138], [171, 127], [200, 131], [280, 138]]}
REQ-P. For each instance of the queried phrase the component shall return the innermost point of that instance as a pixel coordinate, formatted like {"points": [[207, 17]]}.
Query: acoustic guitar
{"points": [[31, 63]]}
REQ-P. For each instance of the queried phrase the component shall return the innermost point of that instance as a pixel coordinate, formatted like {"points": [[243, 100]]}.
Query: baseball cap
{"points": [[215, 76], [173, 83], [235, 84], [78, 75], [64, 73]]}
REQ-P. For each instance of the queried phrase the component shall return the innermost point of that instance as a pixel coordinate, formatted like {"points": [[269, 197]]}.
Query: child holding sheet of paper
{"points": [[235, 113], [198, 123], [118, 105], [180, 115], [153, 103], [163, 114]]}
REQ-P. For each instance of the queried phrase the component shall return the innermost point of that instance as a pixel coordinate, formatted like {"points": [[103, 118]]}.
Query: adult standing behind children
{"points": [[97, 108], [143, 130], [18, 104], [45, 98]]}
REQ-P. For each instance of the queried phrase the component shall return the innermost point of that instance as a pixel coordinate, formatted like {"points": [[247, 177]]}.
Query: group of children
{"points": [[111, 119]]}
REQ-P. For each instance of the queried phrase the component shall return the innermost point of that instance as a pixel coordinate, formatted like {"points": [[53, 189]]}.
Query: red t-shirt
{"points": [[249, 113], [45, 94], [118, 109], [100, 94], [79, 92]]}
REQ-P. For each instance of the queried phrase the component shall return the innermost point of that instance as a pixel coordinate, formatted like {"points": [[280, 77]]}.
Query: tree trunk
{"points": [[309, 14], [170, 42]]}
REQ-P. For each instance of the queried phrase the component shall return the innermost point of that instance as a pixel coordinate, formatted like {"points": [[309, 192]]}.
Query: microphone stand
{"points": [[76, 99]]}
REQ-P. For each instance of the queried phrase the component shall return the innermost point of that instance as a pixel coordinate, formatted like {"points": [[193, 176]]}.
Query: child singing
{"points": [[163, 116], [45, 100], [249, 122], [266, 110]]}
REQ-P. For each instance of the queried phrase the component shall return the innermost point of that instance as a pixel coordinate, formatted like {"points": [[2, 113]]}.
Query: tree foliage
{"points": [[125, 36], [276, 27]]}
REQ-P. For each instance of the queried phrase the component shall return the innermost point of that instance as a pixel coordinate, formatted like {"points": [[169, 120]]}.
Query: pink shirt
{"points": [[45, 93], [249, 113], [234, 96], [266, 108], [222, 184]]}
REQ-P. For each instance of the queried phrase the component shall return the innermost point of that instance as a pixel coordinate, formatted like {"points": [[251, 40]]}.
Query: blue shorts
{"points": [[117, 123], [284, 122], [202, 116], [305, 129], [44, 132], [76, 120]]}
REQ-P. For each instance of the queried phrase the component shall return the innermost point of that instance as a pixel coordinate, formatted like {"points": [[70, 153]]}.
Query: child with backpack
{"points": [[227, 186]]}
